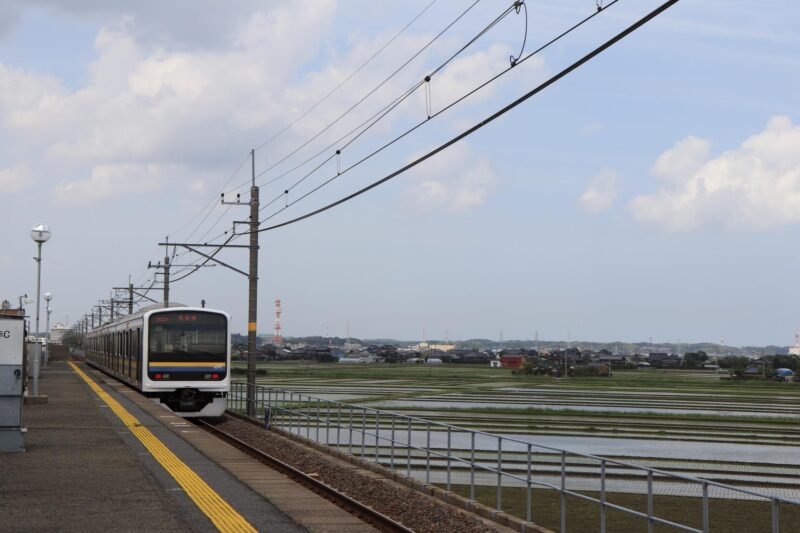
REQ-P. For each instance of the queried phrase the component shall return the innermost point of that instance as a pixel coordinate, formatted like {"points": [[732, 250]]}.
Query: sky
{"points": [[652, 193]]}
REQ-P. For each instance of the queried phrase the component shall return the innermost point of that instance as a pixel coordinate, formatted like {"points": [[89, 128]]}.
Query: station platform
{"points": [[101, 457]]}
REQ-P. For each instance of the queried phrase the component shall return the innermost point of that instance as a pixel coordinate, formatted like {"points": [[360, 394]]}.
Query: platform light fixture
{"points": [[40, 235]]}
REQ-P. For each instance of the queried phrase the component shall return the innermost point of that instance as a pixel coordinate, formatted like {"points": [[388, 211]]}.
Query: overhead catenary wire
{"points": [[430, 154], [209, 209], [385, 110], [209, 206], [630, 29], [375, 118], [370, 121], [369, 93], [348, 78], [458, 100]]}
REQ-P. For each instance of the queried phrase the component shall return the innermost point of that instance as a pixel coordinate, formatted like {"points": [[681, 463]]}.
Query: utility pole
{"points": [[252, 277], [253, 291], [165, 265], [166, 281]]}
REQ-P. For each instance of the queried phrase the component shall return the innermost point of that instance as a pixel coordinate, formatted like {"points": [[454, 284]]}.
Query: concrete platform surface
{"points": [[84, 471]]}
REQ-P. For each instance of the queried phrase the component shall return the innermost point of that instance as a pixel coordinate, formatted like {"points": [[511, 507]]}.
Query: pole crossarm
{"points": [[191, 248], [206, 245]]}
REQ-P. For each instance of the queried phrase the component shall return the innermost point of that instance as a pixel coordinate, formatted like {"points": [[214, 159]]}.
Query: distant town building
{"points": [[425, 346], [57, 333]]}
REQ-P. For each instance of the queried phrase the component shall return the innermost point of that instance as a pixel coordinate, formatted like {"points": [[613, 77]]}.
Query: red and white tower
{"points": [[277, 340]]}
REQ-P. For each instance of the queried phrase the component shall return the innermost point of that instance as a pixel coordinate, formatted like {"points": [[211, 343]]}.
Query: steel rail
{"points": [[375, 518]]}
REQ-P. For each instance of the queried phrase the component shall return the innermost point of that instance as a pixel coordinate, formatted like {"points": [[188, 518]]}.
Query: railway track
{"points": [[364, 512]]}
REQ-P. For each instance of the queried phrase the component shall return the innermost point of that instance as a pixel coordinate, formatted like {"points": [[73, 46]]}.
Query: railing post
{"points": [[363, 430], [563, 494], [338, 423], [705, 507], [776, 524], [350, 439], [328, 424], [391, 456], [529, 496], [408, 450], [317, 437], [291, 412], [377, 434], [472, 467], [428, 451], [649, 501], [499, 505], [602, 496], [448, 457], [308, 417]]}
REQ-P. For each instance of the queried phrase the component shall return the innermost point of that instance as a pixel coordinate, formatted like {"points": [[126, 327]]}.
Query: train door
{"points": [[128, 354], [137, 356]]}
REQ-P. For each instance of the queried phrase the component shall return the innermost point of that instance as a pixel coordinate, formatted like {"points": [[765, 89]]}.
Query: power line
{"points": [[210, 206], [466, 95], [352, 74], [369, 93], [641, 22], [383, 112], [209, 209], [380, 114]]}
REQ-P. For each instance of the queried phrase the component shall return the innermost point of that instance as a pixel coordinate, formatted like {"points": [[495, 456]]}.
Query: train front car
{"points": [[187, 359]]}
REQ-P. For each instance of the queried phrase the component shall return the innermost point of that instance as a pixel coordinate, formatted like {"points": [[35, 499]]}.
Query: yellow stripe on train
{"points": [[206, 365]]}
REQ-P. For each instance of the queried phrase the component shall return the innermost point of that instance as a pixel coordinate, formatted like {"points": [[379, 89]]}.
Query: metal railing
{"points": [[444, 454]]}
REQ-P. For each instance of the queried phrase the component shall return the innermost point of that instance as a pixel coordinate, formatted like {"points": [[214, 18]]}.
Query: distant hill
{"points": [[489, 344]]}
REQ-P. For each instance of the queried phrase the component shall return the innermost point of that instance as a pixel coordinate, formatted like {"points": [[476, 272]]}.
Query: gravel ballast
{"points": [[413, 509]]}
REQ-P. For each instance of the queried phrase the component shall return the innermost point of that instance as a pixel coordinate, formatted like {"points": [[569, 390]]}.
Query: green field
{"points": [[682, 420]]}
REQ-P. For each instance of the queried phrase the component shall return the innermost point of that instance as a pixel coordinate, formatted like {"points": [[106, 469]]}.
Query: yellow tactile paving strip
{"points": [[223, 516]]}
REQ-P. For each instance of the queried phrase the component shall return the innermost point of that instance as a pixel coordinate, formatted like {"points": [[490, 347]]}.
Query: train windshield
{"points": [[188, 335]]}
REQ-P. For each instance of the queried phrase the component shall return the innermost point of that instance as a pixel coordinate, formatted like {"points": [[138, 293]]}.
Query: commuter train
{"points": [[178, 355]]}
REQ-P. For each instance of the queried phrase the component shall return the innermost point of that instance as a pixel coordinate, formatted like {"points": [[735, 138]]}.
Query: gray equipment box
{"points": [[12, 336]]}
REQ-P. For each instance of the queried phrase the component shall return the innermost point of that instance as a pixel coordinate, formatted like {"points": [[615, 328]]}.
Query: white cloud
{"points": [[154, 114], [754, 186], [112, 181], [15, 178], [456, 180], [600, 194]]}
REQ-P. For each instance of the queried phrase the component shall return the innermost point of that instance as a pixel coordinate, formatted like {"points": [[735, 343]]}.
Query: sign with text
{"points": [[12, 335]]}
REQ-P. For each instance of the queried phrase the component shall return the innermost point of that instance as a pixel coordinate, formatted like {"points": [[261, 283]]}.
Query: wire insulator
{"points": [[338, 162], [428, 104], [518, 6]]}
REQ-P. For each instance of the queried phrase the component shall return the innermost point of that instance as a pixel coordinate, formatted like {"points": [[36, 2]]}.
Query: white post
{"points": [[37, 353], [40, 234], [47, 298]]}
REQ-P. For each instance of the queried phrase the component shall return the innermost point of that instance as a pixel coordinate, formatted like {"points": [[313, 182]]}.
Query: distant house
{"points": [[755, 369], [512, 361], [352, 361], [360, 358], [614, 361], [663, 360]]}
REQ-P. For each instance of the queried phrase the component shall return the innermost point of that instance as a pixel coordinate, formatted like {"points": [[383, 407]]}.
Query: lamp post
{"points": [[40, 235], [47, 310]]}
